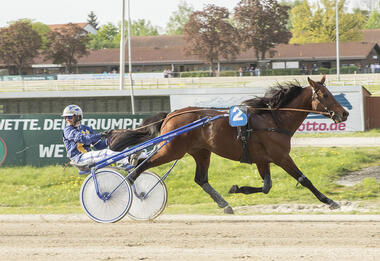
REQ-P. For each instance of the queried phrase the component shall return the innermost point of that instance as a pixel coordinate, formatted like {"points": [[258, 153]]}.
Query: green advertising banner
{"points": [[28, 77], [36, 139]]}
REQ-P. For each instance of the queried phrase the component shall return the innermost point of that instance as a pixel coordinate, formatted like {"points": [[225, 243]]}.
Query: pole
{"points": [[130, 58], [337, 43], [122, 47]]}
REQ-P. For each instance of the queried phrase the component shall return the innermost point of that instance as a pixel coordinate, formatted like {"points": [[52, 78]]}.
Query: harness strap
{"points": [[243, 134]]}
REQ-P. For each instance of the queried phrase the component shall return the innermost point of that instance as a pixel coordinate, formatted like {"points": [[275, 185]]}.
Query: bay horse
{"points": [[273, 120]]}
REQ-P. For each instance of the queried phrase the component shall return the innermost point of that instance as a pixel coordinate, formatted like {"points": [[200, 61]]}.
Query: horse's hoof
{"points": [[334, 205], [233, 189], [228, 210], [266, 188]]}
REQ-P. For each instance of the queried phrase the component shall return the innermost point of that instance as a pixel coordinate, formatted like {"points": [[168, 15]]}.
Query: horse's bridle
{"points": [[318, 95]]}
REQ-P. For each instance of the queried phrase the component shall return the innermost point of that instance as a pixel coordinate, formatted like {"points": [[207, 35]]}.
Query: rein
{"points": [[255, 108], [167, 117], [190, 111], [225, 110], [291, 109]]}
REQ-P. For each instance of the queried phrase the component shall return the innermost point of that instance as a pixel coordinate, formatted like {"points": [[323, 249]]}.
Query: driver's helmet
{"points": [[72, 110]]}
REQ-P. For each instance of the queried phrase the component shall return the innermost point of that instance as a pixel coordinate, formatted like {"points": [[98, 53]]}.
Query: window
{"points": [[292, 65], [278, 65]]}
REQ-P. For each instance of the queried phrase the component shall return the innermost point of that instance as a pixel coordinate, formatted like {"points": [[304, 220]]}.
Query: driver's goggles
{"points": [[69, 117]]}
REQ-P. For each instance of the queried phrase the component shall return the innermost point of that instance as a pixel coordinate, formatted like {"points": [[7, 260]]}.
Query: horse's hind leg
{"points": [[290, 167], [202, 159], [264, 170]]}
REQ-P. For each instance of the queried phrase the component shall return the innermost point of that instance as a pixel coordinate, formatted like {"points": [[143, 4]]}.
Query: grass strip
{"points": [[55, 190]]}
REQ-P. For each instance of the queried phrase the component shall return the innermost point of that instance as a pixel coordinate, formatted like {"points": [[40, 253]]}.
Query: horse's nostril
{"points": [[345, 114]]}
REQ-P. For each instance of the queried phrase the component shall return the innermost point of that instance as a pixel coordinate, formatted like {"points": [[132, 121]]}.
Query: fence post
{"points": [[23, 85]]}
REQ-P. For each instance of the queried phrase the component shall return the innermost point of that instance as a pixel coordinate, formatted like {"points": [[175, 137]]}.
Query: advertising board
{"points": [[108, 76], [28, 77]]}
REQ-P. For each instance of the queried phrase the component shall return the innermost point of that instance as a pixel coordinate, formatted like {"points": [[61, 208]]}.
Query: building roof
{"points": [[371, 35], [85, 26], [324, 51], [57, 27], [170, 49], [166, 50]]}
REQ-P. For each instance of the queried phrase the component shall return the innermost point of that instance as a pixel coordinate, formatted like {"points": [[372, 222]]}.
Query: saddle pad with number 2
{"points": [[238, 115]]}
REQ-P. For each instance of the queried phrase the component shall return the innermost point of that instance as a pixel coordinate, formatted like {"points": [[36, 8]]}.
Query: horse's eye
{"points": [[325, 95]]}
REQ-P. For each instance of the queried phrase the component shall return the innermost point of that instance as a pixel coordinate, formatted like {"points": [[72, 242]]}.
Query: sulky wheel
{"points": [[148, 207], [110, 209]]}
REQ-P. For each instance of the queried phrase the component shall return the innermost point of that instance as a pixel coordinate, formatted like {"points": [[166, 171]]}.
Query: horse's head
{"points": [[324, 101]]}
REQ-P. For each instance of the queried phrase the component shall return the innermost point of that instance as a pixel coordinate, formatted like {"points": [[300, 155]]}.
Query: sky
{"points": [[75, 11]]}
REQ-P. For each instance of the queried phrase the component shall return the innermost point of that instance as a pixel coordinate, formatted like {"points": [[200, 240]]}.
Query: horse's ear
{"points": [[311, 82], [323, 79]]}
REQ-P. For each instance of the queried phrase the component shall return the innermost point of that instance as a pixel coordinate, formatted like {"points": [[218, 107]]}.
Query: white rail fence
{"points": [[370, 81]]}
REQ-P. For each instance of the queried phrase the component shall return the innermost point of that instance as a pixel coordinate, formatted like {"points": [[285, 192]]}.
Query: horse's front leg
{"points": [[264, 170], [290, 167], [202, 159]]}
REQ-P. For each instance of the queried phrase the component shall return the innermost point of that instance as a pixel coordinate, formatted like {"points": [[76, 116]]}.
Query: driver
{"points": [[79, 139]]}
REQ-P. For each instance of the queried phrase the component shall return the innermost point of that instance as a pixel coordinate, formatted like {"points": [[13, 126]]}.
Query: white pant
{"points": [[94, 156]]}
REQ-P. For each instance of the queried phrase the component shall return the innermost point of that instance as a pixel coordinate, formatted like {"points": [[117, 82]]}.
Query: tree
{"points": [[179, 18], [43, 30], [92, 19], [319, 25], [40, 28], [106, 37], [291, 5], [209, 35], [369, 5], [67, 45], [262, 24], [19, 44], [300, 17], [373, 21], [364, 13], [142, 27]]}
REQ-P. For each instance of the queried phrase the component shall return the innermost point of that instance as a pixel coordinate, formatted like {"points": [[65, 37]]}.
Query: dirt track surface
{"points": [[170, 237]]}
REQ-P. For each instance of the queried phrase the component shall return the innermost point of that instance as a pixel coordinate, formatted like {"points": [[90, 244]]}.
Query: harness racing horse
{"points": [[273, 118]]}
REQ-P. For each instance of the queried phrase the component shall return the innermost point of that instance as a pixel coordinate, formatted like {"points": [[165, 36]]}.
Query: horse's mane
{"points": [[277, 96]]}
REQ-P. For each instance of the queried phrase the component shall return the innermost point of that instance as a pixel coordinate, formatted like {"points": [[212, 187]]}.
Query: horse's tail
{"points": [[150, 128], [153, 123]]}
